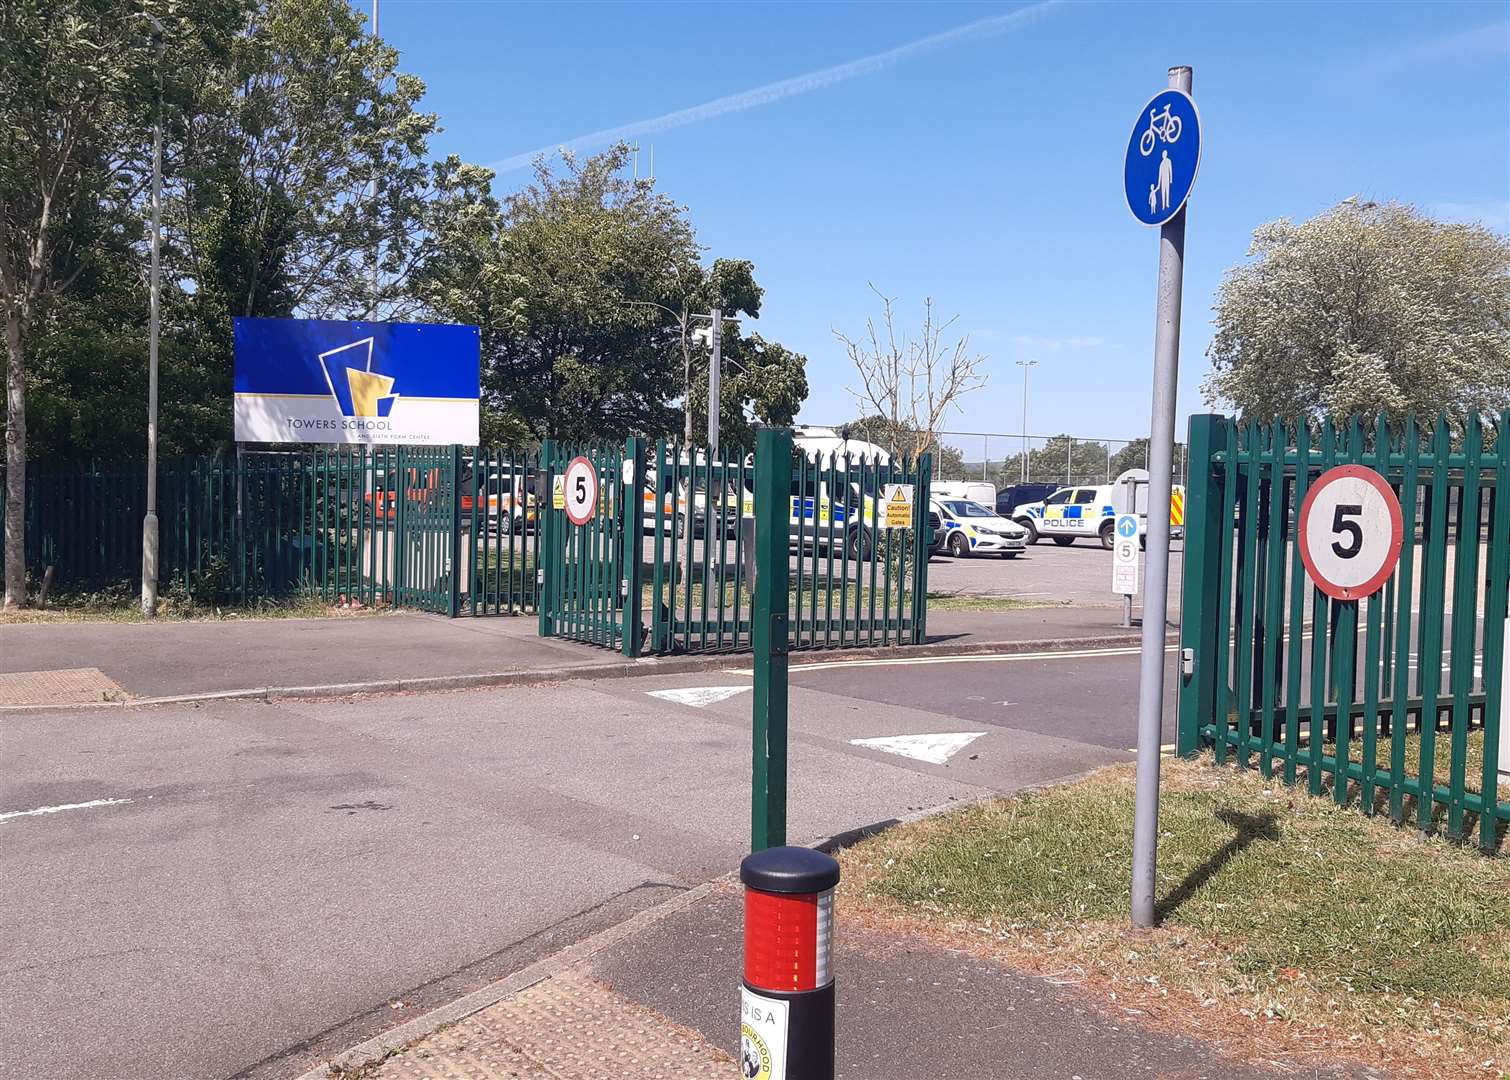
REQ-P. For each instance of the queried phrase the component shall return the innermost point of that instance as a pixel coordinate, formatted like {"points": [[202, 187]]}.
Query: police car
{"points": [[972, 529], [1072, 513]]}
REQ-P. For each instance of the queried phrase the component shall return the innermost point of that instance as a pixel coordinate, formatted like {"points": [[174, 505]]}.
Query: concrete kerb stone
{"points": [[657, 665]]}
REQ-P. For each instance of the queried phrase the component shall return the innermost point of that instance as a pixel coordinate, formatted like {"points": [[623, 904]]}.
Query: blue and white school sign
{"points": [[1163, 156], [317, 381]]}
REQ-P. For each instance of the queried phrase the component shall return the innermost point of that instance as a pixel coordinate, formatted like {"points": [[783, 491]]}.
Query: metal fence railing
{"points": [[1393, 701], [386, 525], [671, 550]]}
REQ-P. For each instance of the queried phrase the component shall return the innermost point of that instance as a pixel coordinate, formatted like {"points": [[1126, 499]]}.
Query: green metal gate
{"points": [[427, 517], [1403, 717], [590, 574], [670, 552]]}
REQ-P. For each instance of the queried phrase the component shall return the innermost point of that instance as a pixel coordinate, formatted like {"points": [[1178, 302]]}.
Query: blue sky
{"points": [[972, 152]]}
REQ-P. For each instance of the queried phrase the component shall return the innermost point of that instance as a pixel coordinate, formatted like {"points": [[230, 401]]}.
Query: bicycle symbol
{"points": [[1160, 126]]}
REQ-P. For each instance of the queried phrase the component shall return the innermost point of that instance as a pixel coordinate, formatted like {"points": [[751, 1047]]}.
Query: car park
{"points": [[972, 529]]}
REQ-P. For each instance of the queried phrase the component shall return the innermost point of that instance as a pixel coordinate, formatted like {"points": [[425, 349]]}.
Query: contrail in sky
{"points": [[776, 91]]}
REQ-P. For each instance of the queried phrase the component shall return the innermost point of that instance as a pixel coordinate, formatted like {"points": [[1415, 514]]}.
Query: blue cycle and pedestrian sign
{"points": [[1163, 156], [1127, 526]]}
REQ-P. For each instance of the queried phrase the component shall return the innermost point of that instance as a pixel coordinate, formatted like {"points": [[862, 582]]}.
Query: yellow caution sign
{"points": [[558, 493], [897, 500]]}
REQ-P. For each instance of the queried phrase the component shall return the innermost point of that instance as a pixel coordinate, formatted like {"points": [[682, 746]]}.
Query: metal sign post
{"points": [[1163, 153], [1125, 563]]}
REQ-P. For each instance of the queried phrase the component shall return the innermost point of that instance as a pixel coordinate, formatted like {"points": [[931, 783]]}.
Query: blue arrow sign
{"points": [[1127, 526], [1163, 156]]}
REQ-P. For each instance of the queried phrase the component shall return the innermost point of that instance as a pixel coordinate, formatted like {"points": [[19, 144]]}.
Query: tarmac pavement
{"points": [[245, 888]]}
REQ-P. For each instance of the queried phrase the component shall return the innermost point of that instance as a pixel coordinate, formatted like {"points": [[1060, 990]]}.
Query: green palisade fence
{"points": [[1393, 701], [385, 526]]}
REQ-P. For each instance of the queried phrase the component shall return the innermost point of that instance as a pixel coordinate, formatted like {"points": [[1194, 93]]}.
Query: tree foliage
{"points": [[1364, 308]]}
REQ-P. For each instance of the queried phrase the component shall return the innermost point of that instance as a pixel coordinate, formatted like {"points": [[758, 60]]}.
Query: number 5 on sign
{"points": [[581, 490], [1350, 532]]}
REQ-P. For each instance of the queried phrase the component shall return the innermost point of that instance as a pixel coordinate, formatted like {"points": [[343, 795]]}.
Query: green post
{"points": [[545, 532], [634, 545], [453, 606], [773, 472], [1206, 514], [922, 538]]}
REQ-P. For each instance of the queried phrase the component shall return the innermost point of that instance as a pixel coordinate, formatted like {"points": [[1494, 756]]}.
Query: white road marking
{"points": [[699, 697], [935, 749], [992, 658], [59, 809]]}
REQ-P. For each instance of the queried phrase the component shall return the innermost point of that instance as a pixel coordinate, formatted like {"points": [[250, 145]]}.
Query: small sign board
{"points": [[558, 493], [581, 496], [762, 1036], [1125, 556], [896, 506], [1350, 532]]}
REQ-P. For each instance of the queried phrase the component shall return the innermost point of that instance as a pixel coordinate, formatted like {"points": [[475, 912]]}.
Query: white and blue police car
{"points": [[968, 528]]}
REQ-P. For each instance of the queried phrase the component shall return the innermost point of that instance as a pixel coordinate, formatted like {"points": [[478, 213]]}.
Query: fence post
{"points": [[773, 477], [633, 497], [545, 526], [454, 578], [1206, 514], [921, 540]]}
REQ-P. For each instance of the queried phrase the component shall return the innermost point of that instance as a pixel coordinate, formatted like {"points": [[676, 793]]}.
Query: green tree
{"points": [[1061, 459], [1364, 308], [1132, 456], [585, 285], [75, 89]]}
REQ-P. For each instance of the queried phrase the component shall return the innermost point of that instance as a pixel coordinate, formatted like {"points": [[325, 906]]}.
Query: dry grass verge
{"points": [[1293, 932]]}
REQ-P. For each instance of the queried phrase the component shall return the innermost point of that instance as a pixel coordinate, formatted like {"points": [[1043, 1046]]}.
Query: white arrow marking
{"points": [[59, 809], [935, 749], [699, 697]]}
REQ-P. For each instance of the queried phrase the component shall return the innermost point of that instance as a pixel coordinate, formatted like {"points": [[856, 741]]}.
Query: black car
{"points": [[1015, 495]]}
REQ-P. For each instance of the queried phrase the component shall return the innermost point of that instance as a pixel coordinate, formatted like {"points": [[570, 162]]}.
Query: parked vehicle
{"points": [[977, 491], [936, 532], [1011, 497], [972, 529], [1091, 512]]}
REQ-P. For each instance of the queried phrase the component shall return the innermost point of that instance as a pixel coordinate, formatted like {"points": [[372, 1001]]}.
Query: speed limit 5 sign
{"points": [[581, 490], [1350, 532]]}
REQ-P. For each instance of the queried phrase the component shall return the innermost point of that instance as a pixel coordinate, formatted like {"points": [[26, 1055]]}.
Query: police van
{"points": [[1090, 512]]}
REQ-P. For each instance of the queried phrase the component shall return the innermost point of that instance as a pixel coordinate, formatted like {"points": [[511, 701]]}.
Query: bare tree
{"points": [[912, 383]]}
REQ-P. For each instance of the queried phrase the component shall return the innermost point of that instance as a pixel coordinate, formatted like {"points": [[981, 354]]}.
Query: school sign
{"points": [[368, 383]]}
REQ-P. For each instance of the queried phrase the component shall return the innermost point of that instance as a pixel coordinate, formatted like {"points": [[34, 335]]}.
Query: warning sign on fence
{"points": [[558, 493], [897, 506]]}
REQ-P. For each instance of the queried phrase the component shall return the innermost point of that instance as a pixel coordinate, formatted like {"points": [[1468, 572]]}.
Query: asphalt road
{"points": [[254, 886], [1080, 573]]}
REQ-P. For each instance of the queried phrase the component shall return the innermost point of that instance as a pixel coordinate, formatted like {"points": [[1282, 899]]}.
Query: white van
{"points": [[976, 491]]}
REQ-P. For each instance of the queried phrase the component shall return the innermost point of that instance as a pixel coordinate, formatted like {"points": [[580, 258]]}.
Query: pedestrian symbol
{"points": [[1163, 156]]}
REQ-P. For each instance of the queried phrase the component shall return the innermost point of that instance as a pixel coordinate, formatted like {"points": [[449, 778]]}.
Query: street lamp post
{"points": [[1025, 364], [149, 522]]}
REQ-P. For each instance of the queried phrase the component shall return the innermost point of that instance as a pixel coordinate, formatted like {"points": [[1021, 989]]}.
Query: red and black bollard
{"points": [[787, 1013]]}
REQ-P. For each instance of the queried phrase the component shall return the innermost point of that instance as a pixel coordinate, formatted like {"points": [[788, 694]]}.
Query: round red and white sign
{"points": [[581, 483], [1350, 532]]}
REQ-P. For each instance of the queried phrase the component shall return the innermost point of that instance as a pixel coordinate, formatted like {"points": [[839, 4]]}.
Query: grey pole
{"points": [[1025, 364], [715, 371], [149, 522], [1166, 367]]}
